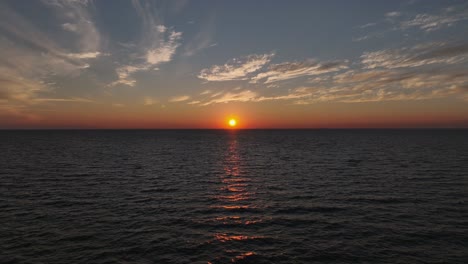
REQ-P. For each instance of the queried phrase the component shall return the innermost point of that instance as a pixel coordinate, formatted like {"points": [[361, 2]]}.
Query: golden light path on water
{"points": [[235, 199]]}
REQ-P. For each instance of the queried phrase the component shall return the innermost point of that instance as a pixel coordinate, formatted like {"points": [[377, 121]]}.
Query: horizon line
{"points": [[236, 129]]}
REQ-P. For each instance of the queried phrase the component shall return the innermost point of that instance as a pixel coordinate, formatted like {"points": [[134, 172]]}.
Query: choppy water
{"points": [[183, 196]]}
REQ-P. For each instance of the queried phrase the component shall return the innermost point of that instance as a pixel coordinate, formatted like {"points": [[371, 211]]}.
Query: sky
{"points": [[269, 64]]}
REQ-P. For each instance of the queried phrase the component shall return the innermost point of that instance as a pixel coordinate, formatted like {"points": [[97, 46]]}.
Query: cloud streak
{"points": [[391, 75], [420, 55], [392, 85], [244, 96], [158, 45], [203, 39], [177, 99], [78, 20], [164, 50], [33, 56], [429, 22], [236, 69], [290, 70], [125, 74]]}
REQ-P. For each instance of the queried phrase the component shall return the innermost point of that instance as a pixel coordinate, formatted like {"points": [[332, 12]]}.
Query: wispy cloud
{"points": [[366, 37], [203, 39], [397, 20], [358, 86], [206, 92], [428, 22], [181, 98], [392, 14], [14, 88], [250, 96], [158, 41], [298, 93], [236, 69], [368, 25], [161, 52], [149, 101], [420, 55], [158, 45], [125, 74], [241, 96], [33, 55], [70, 27], [164, 50], [66, 100], [401, 74], [154, 57], [290, 70], [40, 44], [391, 85], [77, 19]]}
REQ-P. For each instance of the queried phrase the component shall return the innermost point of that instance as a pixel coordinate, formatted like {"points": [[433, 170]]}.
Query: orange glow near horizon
{"points": [[247, 116]]}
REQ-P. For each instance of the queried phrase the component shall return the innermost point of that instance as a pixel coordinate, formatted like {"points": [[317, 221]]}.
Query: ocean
{"points": [[234, 196]]}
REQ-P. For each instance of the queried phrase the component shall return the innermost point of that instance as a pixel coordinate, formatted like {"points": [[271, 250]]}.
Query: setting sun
{"points": [[232, 122]]}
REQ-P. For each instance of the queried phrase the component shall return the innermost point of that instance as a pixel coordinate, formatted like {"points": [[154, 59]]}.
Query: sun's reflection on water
{"points": [[235, 202], [235, 182], [232, 159]]}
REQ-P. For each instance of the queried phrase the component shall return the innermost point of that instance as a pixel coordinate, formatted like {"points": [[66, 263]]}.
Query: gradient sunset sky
{"points": [[270, 64]]}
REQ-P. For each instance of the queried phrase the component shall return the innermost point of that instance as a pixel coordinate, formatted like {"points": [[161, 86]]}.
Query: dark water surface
{"points": [[253, 196]]}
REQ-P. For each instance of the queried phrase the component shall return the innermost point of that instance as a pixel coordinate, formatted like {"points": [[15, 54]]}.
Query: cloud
{"points": [[17, 89], [181, 98], [149, 101], [161, 52], [206, 92], [358, 86], [236, 69], [428, 22], [402, 78], [34, 56], [124, 73], [37, 41], [23, 73], [446, 17], [158, 41], [158, 45], [70, 27], [297, 93], [378, 34], [392, 14], [161, 28], [203, 39], [237, 95], [290, 70], [391, 85], [366, 37], [420, 55], [241, 96], [66, 100], [164, 50], [368, 25], [84, 55], [78, 20]]}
